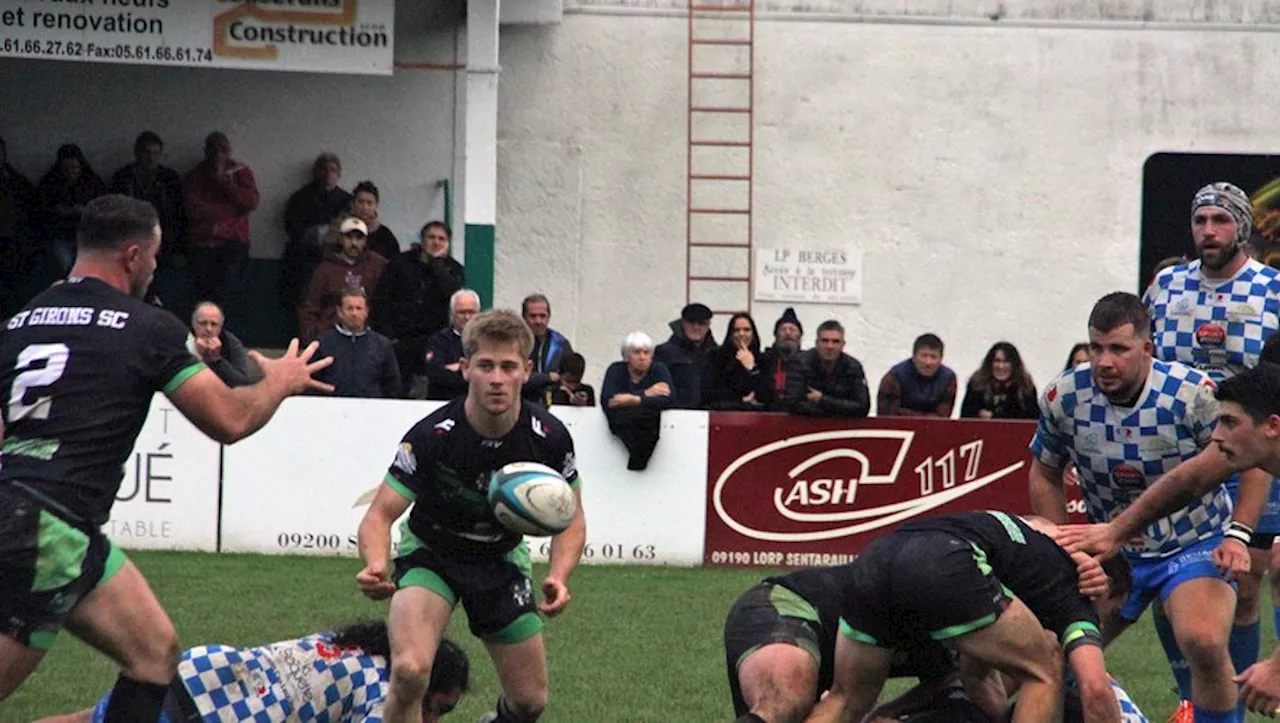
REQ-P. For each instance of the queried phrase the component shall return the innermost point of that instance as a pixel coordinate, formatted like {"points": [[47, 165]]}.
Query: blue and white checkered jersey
{"points": [[1216, 326], [1119, 451], [303, 680]]}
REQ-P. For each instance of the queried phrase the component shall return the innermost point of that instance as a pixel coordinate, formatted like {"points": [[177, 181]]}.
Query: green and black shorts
{"points": [[495, 590], [47, 566]]}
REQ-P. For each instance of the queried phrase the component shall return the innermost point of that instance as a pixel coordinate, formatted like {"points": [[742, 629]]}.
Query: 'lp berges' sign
{"points": [[785, 492]]}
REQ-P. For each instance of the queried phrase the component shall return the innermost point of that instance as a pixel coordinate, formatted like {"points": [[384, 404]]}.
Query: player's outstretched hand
{"points": [[1232, 558], [295, 369], [374, 583], [1098, 540], [1260, 688], [555, 596], [1090, 577]]}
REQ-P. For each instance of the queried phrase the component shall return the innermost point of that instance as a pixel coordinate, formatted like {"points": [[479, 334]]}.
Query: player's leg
{"points": [[522, 672], [123, 619], [772, 653], [1016, 644], [498, 597], [1201, 610], [416, 622], [17, 663], [84, 716]]}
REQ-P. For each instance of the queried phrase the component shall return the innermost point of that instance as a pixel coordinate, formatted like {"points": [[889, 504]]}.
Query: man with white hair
{"points": [[444, 348], [633, 395]]}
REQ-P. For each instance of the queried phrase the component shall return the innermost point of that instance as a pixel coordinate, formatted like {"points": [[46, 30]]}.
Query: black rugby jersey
{"points": [[79, 366]]}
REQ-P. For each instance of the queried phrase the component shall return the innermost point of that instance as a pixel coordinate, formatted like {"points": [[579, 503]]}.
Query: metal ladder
{"points": [[720, 159]]}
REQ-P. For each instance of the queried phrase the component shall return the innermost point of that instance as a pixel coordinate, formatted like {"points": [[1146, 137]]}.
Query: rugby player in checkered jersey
{"points": [[453, 549], [1214, 314], [1124, 421], [338, 677]]}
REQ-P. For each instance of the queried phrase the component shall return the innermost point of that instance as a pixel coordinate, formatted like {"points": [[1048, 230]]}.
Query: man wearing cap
{"points": [[1214, 314], [349, 265], [688, 355], [787, 335]]}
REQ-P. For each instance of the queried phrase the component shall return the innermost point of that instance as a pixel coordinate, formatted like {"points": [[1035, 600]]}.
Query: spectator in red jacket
{"points": [[218, 194]]}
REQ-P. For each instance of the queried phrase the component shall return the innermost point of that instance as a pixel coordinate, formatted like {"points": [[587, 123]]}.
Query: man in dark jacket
{"points": [[412, 299], [921, 386], [221, 350], [689, 355], [826, 382], [444, 349], [549, 347], [309, 210], [147, 180], [364, 364]]}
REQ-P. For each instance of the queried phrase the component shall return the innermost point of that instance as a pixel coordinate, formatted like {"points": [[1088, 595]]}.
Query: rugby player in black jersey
{"points": [[79, 366], [988, 586], [453, 549]]}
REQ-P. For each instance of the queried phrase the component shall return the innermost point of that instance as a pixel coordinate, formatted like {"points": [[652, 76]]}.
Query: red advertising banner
{"points": [[786, 491]]}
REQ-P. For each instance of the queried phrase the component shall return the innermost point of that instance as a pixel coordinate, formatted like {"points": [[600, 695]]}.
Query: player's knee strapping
{"points": [[133, 701]]}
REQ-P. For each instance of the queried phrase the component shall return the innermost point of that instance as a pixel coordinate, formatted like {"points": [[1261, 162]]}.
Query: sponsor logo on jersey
{"points": [[1183, 306], [445, 426], [538, 427], [1211, 336], [405, 460], [1242, 312], [1127, 476], [569, 467]]}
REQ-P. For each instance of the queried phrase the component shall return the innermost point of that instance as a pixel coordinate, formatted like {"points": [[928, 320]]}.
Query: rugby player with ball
{"points": [[472, 499]]}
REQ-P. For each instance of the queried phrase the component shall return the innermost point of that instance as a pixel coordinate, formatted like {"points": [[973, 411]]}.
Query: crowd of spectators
{"points": [[392, 315]]}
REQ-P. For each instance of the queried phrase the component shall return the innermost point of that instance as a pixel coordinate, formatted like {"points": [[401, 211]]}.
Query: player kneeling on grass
{"points": [[982, 583], [453, 548], [339, 676]]}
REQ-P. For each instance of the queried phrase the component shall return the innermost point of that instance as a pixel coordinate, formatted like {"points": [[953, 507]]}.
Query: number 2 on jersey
{"points": [[55, 358]]}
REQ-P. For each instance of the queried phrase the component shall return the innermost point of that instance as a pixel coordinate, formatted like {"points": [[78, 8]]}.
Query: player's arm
{"points": [[566, 552], [229, 415], [860, 672], [1096, 697], [374, 537], [1047, 498]]}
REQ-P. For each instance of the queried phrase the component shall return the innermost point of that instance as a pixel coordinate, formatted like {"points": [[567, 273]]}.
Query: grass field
{"points": [[637, 643]]}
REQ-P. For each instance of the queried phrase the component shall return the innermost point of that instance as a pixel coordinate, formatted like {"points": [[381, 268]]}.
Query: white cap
{"points": [[353, 224]]}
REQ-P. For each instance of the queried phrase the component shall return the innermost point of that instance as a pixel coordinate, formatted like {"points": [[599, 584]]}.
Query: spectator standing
{"points": [[146, 179], [826, 382], [364, 364], [921, 386], [444, 349], [549, 346], [16, 198], [740, 379], [412, 299], [788, 334], [307, 216], [349, 266], [60, 198], [218, 348], [365, 207], [689, 355], [218, 195], [1001, 388], [634, 393]]}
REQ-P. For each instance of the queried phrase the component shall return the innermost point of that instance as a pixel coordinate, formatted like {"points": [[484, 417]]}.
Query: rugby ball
{"points": [[531, 499]]}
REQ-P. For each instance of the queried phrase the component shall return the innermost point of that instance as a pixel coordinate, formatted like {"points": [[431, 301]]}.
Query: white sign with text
{"points": [[168, 499], [808, 275]]}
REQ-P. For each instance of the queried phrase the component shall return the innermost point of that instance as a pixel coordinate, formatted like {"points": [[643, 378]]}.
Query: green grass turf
{"points": [[637, 643]]}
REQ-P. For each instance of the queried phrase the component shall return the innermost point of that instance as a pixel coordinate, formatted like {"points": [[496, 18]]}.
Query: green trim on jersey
{"points": [[789, 604], [182, 376], [1075, 631], [858, 635], [61, 550], [1010, 527], [956, 631], [519, 556], [398, 486], [42, 639], [980, 559], [115, 561]]}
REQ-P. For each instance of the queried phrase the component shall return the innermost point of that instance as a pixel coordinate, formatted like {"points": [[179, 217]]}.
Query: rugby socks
{"points": [[507, 715], [1205, 716], [1243, 645], [1181, 671], [133, 701]]}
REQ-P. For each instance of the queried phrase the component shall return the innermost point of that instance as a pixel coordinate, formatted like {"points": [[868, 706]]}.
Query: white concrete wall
{"points": [[398, 130], [991, 175]]}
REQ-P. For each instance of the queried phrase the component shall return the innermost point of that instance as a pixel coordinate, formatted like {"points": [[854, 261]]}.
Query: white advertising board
{"points": [[348, 36], [302, 483], [169, 497]]}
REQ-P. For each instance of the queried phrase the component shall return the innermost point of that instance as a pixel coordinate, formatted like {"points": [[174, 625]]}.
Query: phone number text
{"points": [[119, 51]]}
